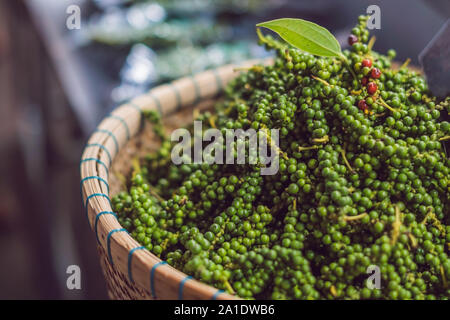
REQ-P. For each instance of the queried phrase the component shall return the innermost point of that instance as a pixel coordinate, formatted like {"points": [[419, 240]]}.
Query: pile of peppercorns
{"points": [[363, 181]]}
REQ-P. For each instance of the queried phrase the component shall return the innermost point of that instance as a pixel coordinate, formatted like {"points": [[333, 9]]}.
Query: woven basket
{"points": [[131, 271]]}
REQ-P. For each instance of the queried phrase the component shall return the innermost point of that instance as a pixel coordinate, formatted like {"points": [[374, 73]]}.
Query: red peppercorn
{"points": [[375, 73], [372, 87], [364, 81], [352, 39], [362, 104], [366, 63]]}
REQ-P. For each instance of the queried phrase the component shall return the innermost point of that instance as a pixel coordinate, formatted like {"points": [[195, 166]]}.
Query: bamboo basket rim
{"points": [[142, 267]]}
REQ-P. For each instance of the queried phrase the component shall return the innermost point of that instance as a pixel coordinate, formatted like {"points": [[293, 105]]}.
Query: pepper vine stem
{"points": [[269, 139], [321, 80], [349, 67], [396, 225], [384, 104], [324, 139], [307, 148], [346, 161], [371, 43], [405, 64], [353, 218]]}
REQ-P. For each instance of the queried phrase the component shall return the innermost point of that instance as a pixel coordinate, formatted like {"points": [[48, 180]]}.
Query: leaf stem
{"points": [[260, 35]]}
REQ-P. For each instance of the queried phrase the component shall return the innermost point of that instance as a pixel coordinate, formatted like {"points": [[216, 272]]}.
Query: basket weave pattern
{"points": [[131, 271]]}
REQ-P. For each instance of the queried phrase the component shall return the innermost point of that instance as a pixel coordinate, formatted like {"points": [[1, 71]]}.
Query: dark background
{"points": [[52, 94]]}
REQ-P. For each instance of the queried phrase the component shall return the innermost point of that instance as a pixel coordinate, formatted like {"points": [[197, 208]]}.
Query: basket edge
{"points": [[104, 144]]}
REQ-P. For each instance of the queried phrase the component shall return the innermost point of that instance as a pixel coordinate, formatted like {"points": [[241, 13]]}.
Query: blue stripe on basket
{"points": [[181, 287], [113, 116], [218, 79], [157, 102], [96, 160], [97, 217], [177, 95], [218, 292], [130, 257], [197, 89], [139, 109], [108, 242], [95, 177], [101, 147], [90, 197], [109, 133], [152, 277], [131, 104]]}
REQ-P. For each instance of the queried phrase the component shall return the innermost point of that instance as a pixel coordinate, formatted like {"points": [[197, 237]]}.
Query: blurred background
{"points": [[56, 84]]}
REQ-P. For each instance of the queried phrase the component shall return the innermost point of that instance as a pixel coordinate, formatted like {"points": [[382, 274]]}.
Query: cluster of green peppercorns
{"points": [[363, 180]]}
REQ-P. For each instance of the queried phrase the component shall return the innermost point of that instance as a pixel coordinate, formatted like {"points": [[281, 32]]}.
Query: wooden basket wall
{"points": [[131, 271]]}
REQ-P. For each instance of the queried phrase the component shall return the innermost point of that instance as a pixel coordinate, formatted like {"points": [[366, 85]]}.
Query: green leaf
{"points": [[305, 35]]}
